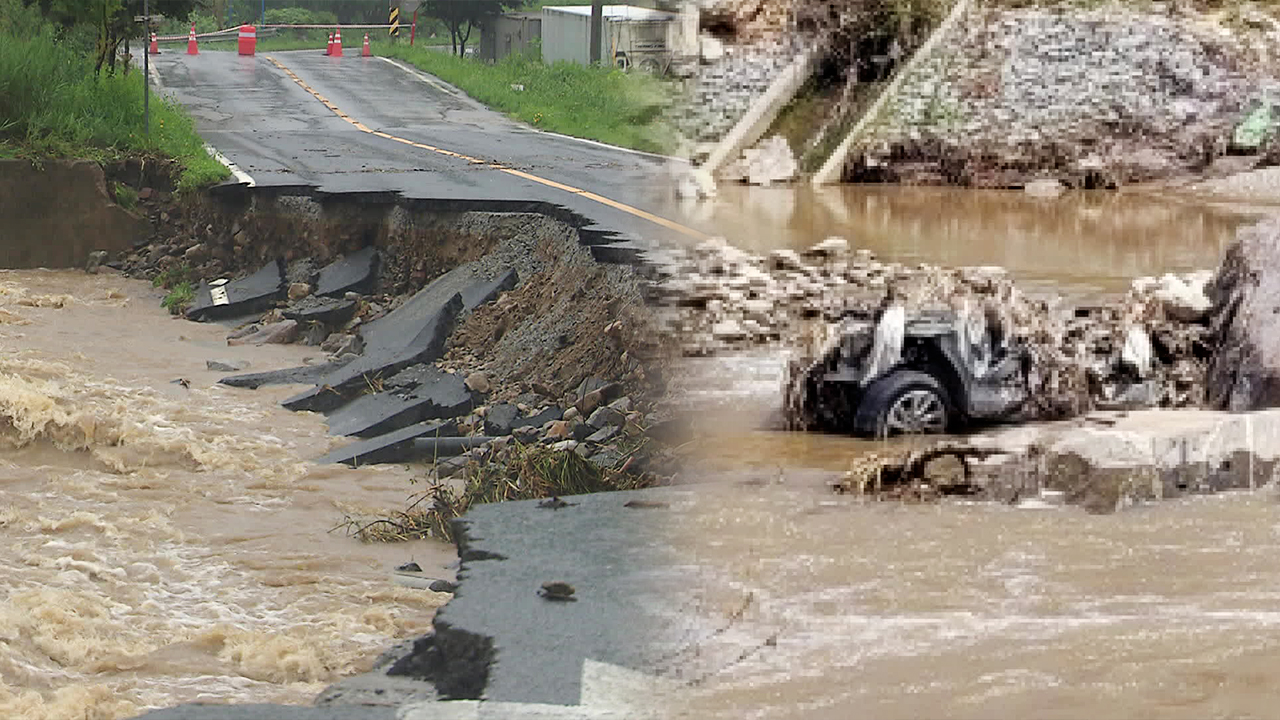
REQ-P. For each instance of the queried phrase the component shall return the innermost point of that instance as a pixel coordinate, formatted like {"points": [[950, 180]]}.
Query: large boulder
{"points": [[1244, 372]]}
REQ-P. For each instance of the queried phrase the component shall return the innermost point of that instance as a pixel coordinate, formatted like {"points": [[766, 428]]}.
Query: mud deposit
{"points": [[168, 544]]}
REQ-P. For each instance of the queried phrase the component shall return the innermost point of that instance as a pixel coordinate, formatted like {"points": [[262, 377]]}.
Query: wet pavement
{"points": [[274, 130]]}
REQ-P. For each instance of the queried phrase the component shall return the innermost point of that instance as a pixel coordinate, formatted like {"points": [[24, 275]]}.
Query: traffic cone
{"points": [[364, 52], [337, 43], [328, 50], [191, 42], [155, 45]]}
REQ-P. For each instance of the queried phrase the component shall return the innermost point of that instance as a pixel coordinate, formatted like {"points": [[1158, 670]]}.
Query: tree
{"points": [[114, 20], [462, 16]]}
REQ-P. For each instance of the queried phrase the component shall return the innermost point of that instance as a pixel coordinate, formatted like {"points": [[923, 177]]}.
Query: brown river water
{"points": [[822, 606], [165, 544]]}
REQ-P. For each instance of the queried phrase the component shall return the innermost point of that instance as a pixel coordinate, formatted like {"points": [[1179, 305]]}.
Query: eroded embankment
{"points": [[451, 332]]}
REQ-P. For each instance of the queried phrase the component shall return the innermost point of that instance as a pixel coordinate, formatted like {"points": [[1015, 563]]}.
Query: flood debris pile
{"points": [[1146, 349], [1089, 98]]}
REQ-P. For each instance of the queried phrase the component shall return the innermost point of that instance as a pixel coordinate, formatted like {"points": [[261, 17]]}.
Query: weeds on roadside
{"points": [[171, 278], [524, 472], [179, 297], [598, 103]]}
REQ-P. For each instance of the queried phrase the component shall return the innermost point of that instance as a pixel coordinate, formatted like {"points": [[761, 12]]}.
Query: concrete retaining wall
{"points": [[55, 215]]}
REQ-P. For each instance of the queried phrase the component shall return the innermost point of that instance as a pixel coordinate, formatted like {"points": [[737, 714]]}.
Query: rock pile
{"points": [[1146, 349], [1093, 98], [770, 161], [595, 421]]}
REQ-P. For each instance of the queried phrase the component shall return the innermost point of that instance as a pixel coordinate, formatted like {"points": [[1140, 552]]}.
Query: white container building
{"points": [[634, 37]]}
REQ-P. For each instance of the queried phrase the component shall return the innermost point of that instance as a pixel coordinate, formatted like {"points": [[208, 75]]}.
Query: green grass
{"points": [[53, 106], [126, 197], [174, 276], [602, 104], [179, 297]]}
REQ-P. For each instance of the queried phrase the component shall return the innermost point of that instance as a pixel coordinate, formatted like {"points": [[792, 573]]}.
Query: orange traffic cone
{"points": [[337, 43], [364, 52], [328, 49], [191, 42], [155, 45]]}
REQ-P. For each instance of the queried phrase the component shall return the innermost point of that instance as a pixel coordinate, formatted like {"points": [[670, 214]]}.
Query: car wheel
{"points": [[905, 402]]}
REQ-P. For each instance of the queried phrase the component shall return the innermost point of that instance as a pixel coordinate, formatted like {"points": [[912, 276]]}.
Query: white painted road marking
{"points": [[609, 692]]}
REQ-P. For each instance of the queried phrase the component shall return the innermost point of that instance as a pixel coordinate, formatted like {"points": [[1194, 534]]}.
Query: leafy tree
{"points": [[462, 16], [113, 20]]}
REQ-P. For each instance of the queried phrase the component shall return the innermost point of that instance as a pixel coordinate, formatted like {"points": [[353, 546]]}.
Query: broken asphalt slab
{"points": [[392, 447], [412, 333], [426, 333], [424, 441], [329, 312], [421, 392], [357, 272], [536, 651], [302, 375], [253, 294]]}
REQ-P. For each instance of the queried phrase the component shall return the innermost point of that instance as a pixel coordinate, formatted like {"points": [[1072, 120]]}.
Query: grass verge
{"points": [[603, 104], [54, 106]]}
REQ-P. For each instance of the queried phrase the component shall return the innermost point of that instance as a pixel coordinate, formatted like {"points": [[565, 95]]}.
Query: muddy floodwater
{"points": [[1081, 242], [817, 606], [821, 606], [166, 544]]}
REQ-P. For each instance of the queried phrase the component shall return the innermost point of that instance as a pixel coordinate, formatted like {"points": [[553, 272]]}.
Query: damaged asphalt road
{"points": [[280, 134]]}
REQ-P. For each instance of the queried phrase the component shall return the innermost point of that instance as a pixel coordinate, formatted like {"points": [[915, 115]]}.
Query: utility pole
{"points": [[146, 67], [597, 30]]}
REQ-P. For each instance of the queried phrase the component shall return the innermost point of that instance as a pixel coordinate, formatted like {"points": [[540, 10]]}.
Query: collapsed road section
{"points": [[496, 351], [449, 334]]}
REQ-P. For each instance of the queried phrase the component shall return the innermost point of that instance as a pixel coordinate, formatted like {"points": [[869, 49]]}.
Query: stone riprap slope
{"points": [[724, 86], [1088, 97]]}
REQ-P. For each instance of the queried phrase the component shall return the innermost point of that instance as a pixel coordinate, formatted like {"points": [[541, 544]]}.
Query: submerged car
{"points": [[930, 373]]}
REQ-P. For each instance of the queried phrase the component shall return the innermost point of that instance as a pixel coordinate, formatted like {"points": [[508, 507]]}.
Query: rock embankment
{"points": [[1245, 371], [1090, 98], [1145, 349]]}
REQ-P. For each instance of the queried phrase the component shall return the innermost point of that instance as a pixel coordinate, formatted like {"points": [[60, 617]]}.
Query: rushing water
{"points": [[816, 605], [165, 544]]}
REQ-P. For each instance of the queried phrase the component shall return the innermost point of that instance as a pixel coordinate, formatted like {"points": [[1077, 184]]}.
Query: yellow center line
{"points": [[655, 219]]}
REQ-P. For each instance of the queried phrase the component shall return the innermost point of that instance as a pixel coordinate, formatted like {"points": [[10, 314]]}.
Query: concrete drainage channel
{"points": [[454, 334]]}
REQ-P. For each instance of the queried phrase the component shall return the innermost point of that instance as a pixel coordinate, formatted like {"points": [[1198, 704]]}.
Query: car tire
{"points": [[902, 403]]}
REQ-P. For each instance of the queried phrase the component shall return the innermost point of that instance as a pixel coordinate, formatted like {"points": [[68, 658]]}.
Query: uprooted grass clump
{"points": [[520, 472], [179, 298]]}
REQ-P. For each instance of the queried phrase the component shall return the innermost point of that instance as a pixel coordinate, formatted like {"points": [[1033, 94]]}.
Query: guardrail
{"points": [[232, 30]]}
